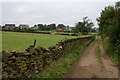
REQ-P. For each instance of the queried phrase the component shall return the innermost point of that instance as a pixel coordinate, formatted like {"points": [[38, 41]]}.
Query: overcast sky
{"points": [[67, 12]]}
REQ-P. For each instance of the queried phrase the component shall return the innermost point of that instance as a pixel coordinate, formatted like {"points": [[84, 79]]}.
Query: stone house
{"points": [[70, 28], [9, 27], [23, 26], [36, 27]]}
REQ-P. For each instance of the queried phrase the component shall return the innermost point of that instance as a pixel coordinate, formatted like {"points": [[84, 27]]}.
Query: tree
{"points": [[52, 26], [17, 29], [109, 26], [85, 26], [106, 19], [41, 27], [46, 27], [61, 26]]}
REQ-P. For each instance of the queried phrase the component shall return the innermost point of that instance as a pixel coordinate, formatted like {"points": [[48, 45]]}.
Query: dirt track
{"points": [[92, 65]]}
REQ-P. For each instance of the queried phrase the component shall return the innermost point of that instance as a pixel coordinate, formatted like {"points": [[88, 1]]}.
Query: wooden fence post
{"points": [[34, 43]]}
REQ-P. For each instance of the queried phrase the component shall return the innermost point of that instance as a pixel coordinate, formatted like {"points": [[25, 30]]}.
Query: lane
{"points": [[91, 66]]}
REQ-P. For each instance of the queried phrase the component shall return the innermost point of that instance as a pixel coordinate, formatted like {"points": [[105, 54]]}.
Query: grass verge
{"points": [[58, 69], [99, 57], [112, 54]]}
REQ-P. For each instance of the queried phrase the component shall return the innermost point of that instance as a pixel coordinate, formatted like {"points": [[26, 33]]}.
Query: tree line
{"points": [[109, 29], [50, 27], [84, 27], [39, 27]]}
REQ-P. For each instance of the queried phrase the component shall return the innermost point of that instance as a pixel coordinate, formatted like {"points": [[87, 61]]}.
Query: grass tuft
{"points": [[98, 55]]}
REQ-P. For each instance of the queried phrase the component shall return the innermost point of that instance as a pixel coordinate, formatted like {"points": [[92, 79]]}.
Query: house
{"points": [[9, 27], [23, 26], [70, 28], [36, 27]]}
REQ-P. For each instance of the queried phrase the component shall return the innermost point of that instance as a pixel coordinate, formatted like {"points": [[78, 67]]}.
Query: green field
{"points": [[20, 41]]}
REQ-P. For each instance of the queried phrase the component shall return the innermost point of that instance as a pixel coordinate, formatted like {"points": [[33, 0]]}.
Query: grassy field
{"points": [[20, 41]]}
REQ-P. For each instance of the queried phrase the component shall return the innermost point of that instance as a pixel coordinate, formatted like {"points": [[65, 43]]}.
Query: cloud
{"points": [[21, 9], [60, 0], [67, 13]]}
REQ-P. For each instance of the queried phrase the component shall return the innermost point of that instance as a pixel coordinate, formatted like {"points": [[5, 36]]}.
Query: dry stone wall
{"points": [[21, 64]]}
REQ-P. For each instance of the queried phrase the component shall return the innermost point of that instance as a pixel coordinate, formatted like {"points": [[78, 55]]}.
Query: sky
{"points": [[66, 12]]}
